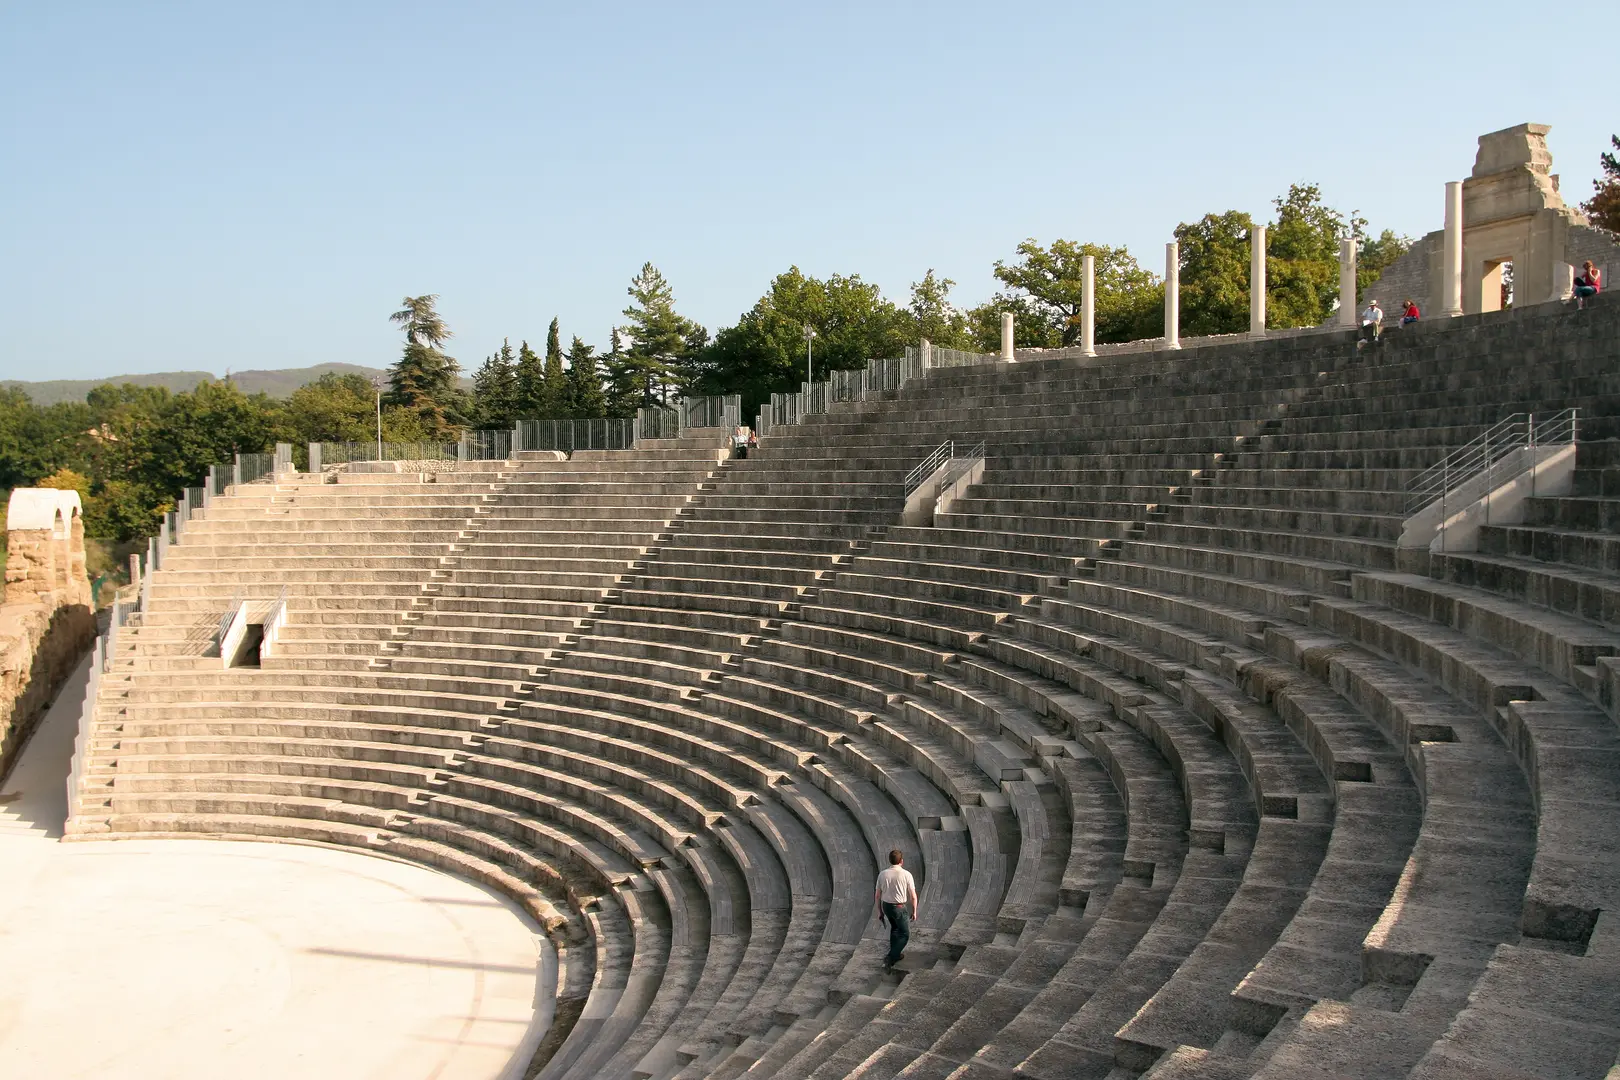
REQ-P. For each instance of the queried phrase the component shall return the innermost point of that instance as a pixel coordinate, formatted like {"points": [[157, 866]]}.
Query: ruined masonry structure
{"points": [[46, 622], [1512, 212]]}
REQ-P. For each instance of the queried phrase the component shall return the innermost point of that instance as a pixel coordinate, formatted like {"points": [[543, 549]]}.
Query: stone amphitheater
{"points": [[1200, 771], [1213, 755]]}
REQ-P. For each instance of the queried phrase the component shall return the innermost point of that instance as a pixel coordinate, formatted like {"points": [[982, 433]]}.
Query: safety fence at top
{"points": [[878, 379], [499, 444], [347, 453]]}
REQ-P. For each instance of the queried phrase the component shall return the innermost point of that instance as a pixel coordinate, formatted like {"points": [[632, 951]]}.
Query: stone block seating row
{"points": [[1199, 773]]}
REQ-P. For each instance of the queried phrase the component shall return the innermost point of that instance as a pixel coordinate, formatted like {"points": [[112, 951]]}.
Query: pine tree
{"points": [[530, 400], [585, 398], [660, 340], [495, 390], [624, 393], [423, 381], [555, 386]]}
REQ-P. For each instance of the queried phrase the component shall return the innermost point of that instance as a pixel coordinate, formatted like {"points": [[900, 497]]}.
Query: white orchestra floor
{"points": [[200, 959]]}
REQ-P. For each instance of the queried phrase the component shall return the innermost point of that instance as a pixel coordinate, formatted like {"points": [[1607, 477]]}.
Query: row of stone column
{"points": [[1348, 293]]}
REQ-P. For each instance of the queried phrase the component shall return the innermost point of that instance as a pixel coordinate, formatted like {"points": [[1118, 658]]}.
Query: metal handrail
{"points": [[1480, 454], [964, 460], [227, 619], [110, 649], [99, 660], [942, 453], [275, 615]]}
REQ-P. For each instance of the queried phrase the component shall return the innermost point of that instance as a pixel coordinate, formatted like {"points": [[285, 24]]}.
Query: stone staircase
{"points": [[1199, 774]]}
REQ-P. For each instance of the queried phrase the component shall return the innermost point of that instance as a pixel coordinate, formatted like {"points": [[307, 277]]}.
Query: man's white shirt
{"points": [[896, 885]]}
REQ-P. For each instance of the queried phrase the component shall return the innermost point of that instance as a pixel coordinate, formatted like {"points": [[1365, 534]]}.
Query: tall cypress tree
{"points": [[586, 401], [555, 384]]}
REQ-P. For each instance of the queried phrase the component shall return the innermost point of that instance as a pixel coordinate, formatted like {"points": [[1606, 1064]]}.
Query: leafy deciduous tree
{"points": [[1049, 278], [1603, 208], [1214, 253], [934, 317], [765, 351]]}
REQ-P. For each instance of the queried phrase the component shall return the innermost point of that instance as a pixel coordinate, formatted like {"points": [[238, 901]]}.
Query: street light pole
{"points": [[376, 384], [809, 348]]}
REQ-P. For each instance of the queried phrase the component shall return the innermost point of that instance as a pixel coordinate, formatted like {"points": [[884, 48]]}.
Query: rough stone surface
{"points": [[46, 622]]}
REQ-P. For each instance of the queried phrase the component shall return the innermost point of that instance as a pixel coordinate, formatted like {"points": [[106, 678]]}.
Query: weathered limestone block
{"points": [[46, 622]]}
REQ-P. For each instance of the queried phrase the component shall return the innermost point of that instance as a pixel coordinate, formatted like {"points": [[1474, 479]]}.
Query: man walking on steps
{"points": [[896, 891]]}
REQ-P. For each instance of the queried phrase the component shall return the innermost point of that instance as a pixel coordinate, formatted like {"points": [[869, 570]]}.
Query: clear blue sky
{"points": [[221, 185]]}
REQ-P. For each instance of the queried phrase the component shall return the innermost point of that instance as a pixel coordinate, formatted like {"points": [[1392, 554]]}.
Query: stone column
{"points": [[1257, 281], [1349, 301], [1172, 295], [1451, 297], [1007, 337], [1088, 304]]}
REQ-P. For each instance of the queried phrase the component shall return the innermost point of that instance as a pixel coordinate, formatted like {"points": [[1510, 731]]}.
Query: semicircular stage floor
{"points": [[199, 958]]}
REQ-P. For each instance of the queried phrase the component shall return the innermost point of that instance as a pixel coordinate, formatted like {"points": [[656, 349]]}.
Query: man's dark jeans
{"points": [[899, 917]]}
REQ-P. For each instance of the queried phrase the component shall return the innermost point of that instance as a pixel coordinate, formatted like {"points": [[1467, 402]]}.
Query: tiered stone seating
{"points": [[1200, 774]]}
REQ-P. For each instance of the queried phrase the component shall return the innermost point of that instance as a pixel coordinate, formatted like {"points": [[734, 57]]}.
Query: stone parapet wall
{"points": [[47, 620]]}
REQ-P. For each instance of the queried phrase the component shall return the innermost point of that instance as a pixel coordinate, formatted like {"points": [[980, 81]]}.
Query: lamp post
{"points": [[809, 347], [376, 384]]}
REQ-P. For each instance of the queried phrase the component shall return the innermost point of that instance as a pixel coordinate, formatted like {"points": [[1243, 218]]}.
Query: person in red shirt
{"points": [[1411, 314], [1589, 284]]}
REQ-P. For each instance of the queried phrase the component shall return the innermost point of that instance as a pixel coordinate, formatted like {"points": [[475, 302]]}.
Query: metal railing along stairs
{"points": [[925, 468], [1487, 451]]}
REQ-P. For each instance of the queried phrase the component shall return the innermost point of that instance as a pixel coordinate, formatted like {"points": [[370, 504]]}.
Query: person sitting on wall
{"points": [[1589, 284], [1411, 314], [1372, 321]]}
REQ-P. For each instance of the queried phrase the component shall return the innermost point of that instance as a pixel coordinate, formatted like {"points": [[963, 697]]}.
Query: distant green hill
{"points": [[278, 384]]}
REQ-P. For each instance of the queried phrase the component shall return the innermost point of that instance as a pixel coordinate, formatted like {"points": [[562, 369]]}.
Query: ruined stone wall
{"points": [[1415, 275], [46, 621], [1586, 242]]}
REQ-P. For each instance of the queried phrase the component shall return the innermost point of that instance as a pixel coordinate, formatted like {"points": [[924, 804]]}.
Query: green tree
{"points": [[554, 385], [1214, 254], [495, 389], [36, 441], [1031, 328], [1603, 208], [1049, 279], [1302, 270], [333, 408], [934, 316], [585, 398], [659, 360], [531, 383], [765, 351], [1374, 258], [424, 380], [623, 396]]}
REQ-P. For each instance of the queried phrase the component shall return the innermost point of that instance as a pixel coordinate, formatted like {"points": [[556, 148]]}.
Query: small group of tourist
{"points": [[742, 441], [1372, 318]]}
